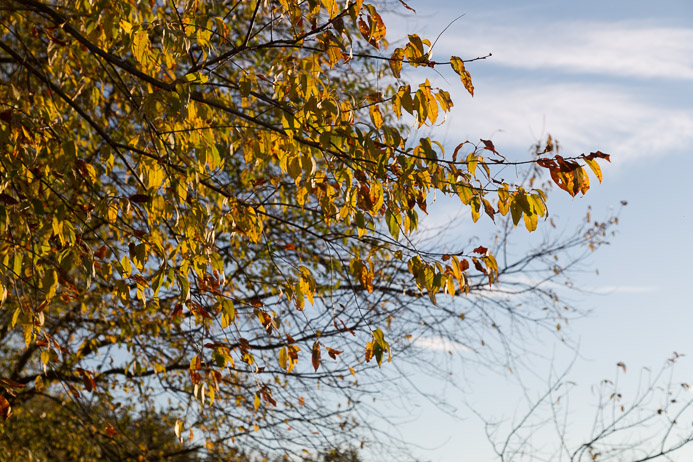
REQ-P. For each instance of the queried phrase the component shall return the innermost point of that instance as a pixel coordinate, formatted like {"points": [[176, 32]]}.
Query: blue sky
{"points": [[610, 75]]}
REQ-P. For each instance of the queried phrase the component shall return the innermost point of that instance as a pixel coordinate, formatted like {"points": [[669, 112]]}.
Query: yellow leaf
{"points": [[140, 46], [458, 66], [376, 116], [112, 213], [283, 358], [50, 283], [127, 268], [396, 62], [177, 429], [596, 169]]}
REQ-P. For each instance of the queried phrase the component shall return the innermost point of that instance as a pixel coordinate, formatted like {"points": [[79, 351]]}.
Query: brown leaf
{"points": [[6, 116], [599, 154], [479, 266], [9, 383], [622, 366], [316, 355], [110, 431], [7, 199], [177, 311], [101, 253], [333, 353], [407, 6], [488, 145], [481, 249], [546, 163], [140, 198]]}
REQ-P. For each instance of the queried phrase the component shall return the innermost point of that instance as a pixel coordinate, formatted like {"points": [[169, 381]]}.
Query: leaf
{"points": [[140, 198], [7, 199], [178, 429], [376, 116], [622, 366], [140, 46], [315, 357], [11, 384], [377, 347], [283, 358], [458, 67], [479, 266], [481, 249], [396, 62], [5, 408], [50, 283], [595, 167], [333, 353], [488, 145], [407, 6]]}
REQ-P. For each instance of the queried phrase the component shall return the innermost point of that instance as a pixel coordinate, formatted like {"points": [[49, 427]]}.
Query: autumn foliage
{"points": [[206, 207]]}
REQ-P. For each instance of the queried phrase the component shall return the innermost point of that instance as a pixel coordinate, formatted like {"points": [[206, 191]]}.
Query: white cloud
{"points": [[583, 117], [632, 103], [621, 49], [438, 344], [622, 289]]}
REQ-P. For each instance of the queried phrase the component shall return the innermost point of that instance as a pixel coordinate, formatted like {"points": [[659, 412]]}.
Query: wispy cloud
{"points": [[621, 49], [618, 87], [582, 116], [439, 344], [623, 289]]}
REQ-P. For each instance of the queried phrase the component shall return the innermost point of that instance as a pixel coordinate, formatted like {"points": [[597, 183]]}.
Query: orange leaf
{"points": [[333, 353], [5, 409]]}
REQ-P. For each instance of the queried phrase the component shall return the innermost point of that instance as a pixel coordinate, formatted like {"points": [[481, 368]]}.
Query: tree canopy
{"points": [[209, 208]]}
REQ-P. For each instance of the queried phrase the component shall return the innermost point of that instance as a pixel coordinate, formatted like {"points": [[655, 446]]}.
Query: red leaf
{"points": [[488, 145], [101, 253], [110, 431], [202, 312], [481, 249], [177, 311]]}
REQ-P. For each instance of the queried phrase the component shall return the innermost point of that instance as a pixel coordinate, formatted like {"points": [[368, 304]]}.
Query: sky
{"points": [[615, 76]]}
